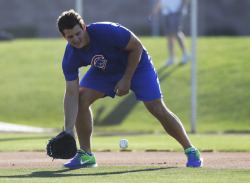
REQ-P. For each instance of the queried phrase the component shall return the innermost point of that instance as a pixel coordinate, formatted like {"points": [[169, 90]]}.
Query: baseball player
{"points": [[119, 63]]}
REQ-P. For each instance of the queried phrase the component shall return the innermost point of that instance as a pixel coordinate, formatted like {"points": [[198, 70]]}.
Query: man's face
{"points": [[75, 37]]}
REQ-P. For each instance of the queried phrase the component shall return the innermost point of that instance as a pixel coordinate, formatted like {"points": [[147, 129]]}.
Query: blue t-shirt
{"points": [[106, 52]]}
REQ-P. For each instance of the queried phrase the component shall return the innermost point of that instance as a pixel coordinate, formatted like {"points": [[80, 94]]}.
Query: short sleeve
{"points": [[112, 34], [70, 70], [122, 36]]}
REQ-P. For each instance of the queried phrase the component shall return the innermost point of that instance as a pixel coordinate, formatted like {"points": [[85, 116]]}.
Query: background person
{"points": [[173, 13]]}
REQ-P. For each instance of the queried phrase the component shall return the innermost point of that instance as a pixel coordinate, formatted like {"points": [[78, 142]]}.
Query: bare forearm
{"points": [[133, 61], [135, 51], [70, 110], [134, 48], [70, 104]]}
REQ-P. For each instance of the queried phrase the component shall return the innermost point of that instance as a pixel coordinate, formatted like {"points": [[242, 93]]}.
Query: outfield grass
{"points": [[125, 175], [32, 87], [37, 142]]}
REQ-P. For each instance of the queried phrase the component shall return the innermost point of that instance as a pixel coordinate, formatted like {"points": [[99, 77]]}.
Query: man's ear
{"points": [[84, 27], [63, 36]]}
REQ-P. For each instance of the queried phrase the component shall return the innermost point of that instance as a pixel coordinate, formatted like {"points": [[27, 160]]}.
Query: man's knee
{"points": [[83, 99], [88, 96], [158, 111], [157, 107]]}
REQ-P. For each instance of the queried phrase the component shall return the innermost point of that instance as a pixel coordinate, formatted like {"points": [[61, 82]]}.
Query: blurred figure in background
{"points": [[173, 13]]}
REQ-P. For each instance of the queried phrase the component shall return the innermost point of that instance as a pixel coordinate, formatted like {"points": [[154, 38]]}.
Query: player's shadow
{"points": [[117, 115], [70, 173]]}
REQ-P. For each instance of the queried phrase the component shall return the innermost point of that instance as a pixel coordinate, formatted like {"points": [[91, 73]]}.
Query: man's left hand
{"points": [[122, 87]]}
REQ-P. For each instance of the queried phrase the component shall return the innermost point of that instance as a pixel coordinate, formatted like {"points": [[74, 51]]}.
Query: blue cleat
{"points": [[81, 160], [194, 157]]}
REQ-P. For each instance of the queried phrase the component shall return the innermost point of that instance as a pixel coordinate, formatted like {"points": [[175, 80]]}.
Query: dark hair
{"points": [[68, 20]]}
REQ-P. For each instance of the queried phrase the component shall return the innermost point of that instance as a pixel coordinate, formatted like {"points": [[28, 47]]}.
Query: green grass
{"points": [[125, 174], [37, 142], [32, 87]]}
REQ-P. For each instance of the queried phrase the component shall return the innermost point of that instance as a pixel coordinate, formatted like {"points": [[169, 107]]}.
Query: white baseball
{"points": [[123, 143]]}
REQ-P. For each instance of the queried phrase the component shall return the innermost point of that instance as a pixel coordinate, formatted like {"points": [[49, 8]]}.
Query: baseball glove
{"points": [[63, 146]]}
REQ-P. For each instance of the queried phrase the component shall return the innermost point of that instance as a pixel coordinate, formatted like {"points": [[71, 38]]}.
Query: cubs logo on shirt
{"points": [[99, 61]]}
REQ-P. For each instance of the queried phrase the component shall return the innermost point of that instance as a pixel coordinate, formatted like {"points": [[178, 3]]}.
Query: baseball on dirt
{"points": [[123, 143]]}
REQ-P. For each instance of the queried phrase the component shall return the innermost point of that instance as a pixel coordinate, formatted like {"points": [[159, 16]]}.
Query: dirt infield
{"points": [[173, 159]]}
